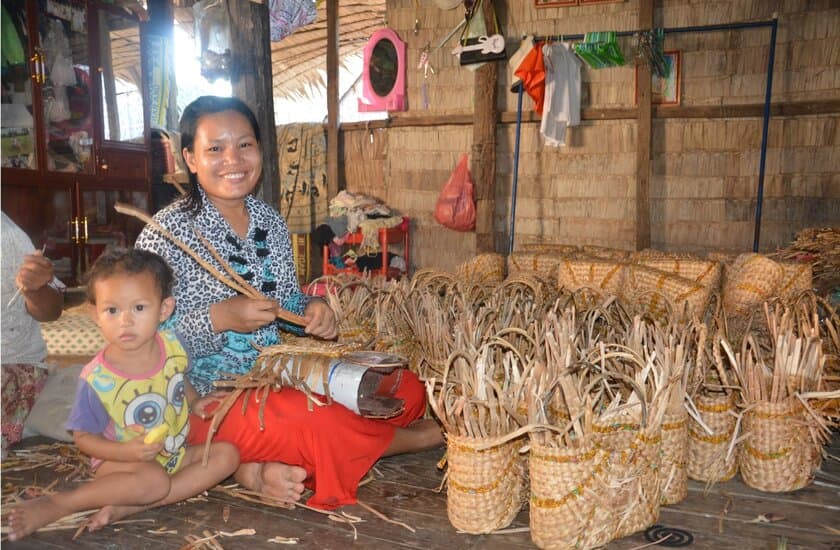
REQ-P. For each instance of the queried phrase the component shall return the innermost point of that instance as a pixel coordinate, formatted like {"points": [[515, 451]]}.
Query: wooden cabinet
{"points": [[75, 134]]}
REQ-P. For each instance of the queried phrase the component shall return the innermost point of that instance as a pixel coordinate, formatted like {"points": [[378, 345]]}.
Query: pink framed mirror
{"points": [[383, 73]]}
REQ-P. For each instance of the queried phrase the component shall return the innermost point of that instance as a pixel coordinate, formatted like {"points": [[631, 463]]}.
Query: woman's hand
{"points": [[320, 320], [35, 272], [43, 302], [242, 314]]}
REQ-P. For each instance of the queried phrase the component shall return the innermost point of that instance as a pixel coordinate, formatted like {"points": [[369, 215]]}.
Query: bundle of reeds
{"points": [[783, 432], [682, 347], [351, 298], [568, 471], [820, 247], [392, 328], [475, 399], [597, 479]]}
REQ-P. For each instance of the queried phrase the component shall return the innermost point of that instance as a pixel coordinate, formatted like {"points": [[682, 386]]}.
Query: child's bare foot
{"points": [[281, 481], [29, 516], [109, 514]]}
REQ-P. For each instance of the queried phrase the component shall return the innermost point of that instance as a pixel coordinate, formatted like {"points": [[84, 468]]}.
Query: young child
{"points": [[135, 384]]}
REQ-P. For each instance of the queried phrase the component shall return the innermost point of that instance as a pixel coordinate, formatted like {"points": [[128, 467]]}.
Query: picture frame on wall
{"points": [[554, 3], [665, 91]]}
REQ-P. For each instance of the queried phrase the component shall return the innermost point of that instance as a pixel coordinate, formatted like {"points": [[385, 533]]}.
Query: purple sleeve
{"points": [[87, 414]]}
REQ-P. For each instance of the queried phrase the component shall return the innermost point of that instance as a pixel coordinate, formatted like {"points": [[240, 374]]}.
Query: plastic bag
{"points": [[455, 206]]}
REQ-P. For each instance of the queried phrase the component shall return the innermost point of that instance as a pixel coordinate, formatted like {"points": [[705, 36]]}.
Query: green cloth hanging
{"points": [[10, 43], [600, 50]]}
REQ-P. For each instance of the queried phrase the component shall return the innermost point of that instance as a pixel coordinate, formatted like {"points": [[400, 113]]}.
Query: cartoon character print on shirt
{"points": [[138, 405], [147, 407]]}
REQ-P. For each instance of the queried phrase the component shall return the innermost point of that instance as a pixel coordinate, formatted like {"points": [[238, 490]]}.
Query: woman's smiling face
{"points": [[226, 156]]}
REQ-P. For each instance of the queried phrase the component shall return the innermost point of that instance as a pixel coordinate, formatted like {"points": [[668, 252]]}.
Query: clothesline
{"points": [[671, 30], [772, 23]]}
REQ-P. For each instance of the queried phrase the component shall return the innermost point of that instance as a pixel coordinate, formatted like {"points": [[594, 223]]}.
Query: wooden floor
{"points": [[404, 488]]}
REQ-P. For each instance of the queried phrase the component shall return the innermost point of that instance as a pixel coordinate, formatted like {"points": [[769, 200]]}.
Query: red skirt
{"points": [[334, 445]]}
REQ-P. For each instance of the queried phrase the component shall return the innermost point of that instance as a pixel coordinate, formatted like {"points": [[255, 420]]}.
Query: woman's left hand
{"points": [[320, 320]]}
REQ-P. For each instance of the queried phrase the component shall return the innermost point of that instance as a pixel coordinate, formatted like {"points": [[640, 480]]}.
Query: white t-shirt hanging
{"points": [[562, 93]]}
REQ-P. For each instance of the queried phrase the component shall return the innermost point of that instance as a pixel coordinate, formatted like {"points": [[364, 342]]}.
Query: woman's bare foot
{"points": [[109, 514], [281, 481], [29, 516]]}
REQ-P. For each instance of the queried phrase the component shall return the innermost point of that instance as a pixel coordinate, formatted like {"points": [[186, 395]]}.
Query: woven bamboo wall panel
{"points": [[704, 170]]}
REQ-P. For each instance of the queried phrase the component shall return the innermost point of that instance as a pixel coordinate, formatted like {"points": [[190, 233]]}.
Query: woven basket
{"points": [[796, 278], [569, 491], [777, 454], [485, 488], [606, 253], [673, 476], [543, 263], [632, 475], [707, 453], [605, 277], [700, 271], [484, 269], [657, 292], [751, 280]]}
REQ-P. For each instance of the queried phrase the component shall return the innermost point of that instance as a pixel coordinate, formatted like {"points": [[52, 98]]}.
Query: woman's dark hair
{"points": [[131, 261], [207, 105]]}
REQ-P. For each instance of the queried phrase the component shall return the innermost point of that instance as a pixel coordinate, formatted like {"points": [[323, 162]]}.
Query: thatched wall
{"points": [[704, 171]]}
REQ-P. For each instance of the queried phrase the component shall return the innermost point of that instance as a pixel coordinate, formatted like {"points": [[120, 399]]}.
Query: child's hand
{"points": [[204, 406], [139, 451]]}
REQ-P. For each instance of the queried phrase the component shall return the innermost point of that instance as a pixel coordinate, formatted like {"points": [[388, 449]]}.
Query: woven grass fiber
{"points": [[568, 494], [632, 474], [673, 475], [700, 271], [777, 454], [707, 453], [751, 280], [604, 276], [485, 487], [659, 292], [484, 269], [543, 263]]}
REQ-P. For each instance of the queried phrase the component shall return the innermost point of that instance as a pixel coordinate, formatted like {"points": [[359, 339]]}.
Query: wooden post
{"points": [[332, 100], [483, 161], [643, 137], [251, 82]]}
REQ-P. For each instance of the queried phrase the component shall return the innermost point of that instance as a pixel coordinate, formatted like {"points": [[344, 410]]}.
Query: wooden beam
{"points": [[483, 161], [251, 82], [332, 100], [643, 136], [751, 110]]}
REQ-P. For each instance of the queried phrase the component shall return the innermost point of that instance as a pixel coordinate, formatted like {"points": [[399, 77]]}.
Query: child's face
{"points": [[129, 308]]}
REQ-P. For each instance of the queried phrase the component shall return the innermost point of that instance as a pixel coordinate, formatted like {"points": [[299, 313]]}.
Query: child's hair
{"points": [[130, 261]]}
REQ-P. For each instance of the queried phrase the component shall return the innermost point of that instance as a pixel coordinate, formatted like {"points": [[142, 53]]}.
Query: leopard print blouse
{"points": [[263, 258]]}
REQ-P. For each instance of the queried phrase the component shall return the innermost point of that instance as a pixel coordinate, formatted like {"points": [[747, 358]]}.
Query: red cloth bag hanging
{"points": [[455, 206]]}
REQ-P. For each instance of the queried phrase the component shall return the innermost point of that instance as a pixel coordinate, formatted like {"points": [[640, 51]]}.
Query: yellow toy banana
{"points": [[156, 434]]}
